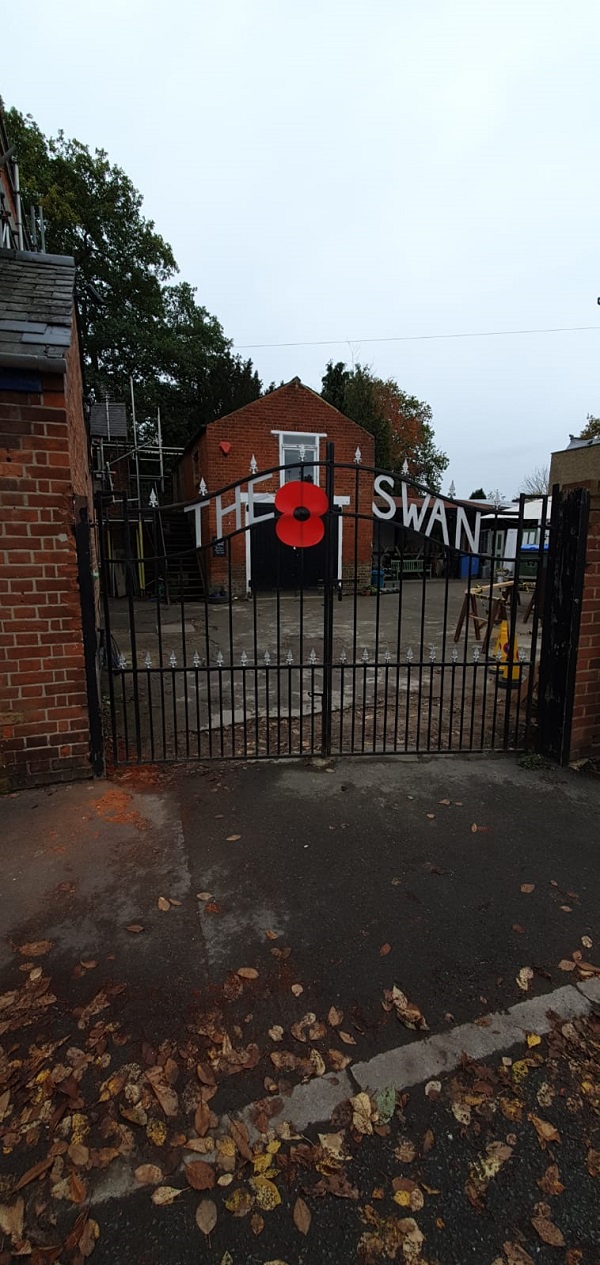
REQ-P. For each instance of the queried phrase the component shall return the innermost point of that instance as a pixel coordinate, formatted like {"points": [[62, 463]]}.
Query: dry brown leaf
{"points": [[302, 1216], [550, 1183], [203, 895], [546, 1132], [205, 1074], [548, 1232], [338, 1060], [527, 888], [164, 1195], [430, 816], [89, 1237], [297, 990], [405, 1151], [566, 909], [299, 1030], [206, 1215], [257, 1223], [233, 838], [518, 928], [199, 1174], [445, 802], [79, 1153], [239, 1133], [587, 942], [202, 1119], [362, 1113], [384, 950], [566, 964], [593, 1163], [276, 1032], [148, 1174], [516, 1255], [35, 948], [88, 965], [176, 903], [33, 1173], [5, 1104], [11, 1219], [240, 1203], [164, 1092], [272, 935], [247, 972], [346, 1038], [335, 1016], [135, 927], [163, 904], [428, 1141]]}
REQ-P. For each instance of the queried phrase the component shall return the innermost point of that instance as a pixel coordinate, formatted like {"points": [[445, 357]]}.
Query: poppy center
{"points": [[301, 513]]}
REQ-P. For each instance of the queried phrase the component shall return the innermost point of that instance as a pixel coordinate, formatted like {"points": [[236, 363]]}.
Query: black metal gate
{"points": [[365, 616]]}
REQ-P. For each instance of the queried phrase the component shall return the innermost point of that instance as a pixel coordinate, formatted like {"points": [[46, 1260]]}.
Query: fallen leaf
{"points": [[176, 903], [335, 1016], [384, 950], [35, 948], [518, 928], [362, 1113], [405, 1151], [273, 935], [428, 1141], [240, 1202], [266, 1192], [524, 977], [205, 1073], [297, 989], [11, 1219], [164, 1092], [148, 1174], [548, 1232], [257, 1223], [550, 1183], [533, 1039], [346, 1038], [156, 1132], [445, 802], [516, 1255], [247, 972], [163, 904], [433, 1088], [430, 816], [89, 1237], [593, 1163], [338, 1060], [239, 1134], [78, 1153], [206, 1215], [164, 1195], [333, 1143], [302, 1216], [233, 838], [203, 895], [88, 965], [276, 1032], [199, 1174], [461, 1112], [135, 927], [587, 942], [225, 1179], [546, 1132], [527, 888], [566, 964], [566, 909], [33, 1173]]}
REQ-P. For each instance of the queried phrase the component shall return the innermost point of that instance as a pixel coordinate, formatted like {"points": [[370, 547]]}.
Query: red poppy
{"points": [[301, 506]]}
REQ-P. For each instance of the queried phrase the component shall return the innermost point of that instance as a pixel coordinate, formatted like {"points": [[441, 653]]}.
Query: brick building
{"points": [[281, 429], [45, 492]]}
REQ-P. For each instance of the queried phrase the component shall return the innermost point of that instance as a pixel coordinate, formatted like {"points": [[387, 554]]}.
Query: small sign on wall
{"points": [[219, 548]]}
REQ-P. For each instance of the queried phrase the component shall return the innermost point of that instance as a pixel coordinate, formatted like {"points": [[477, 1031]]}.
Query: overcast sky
{"points": [[341, 172]]}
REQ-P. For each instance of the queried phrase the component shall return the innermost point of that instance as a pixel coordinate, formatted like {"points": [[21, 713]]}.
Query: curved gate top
{"points": [[346, 611]]}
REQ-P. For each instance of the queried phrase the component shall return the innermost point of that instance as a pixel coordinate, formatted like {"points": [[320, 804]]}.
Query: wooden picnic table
{"points": [[500, 595]]}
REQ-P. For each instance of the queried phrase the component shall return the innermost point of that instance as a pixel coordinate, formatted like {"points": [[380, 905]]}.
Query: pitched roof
{"points": [[108, 420], [36, 309]]}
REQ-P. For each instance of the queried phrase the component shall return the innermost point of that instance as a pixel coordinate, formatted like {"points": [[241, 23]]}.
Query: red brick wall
{"points": [[43, 466], [291, 408], [585, 731]]}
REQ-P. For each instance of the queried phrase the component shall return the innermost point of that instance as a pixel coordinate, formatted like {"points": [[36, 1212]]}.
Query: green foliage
{"points": [[591, 429], [478, 495], [400, 423], [135, 321]]}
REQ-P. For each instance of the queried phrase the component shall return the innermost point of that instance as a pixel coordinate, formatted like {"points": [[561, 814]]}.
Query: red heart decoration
{"points": [[225, 447]]}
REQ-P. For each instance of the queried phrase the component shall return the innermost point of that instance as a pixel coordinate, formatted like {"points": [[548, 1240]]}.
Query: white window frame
{"points": [[282, 435]]}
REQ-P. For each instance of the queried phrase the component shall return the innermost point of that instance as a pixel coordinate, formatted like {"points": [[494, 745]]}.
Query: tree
{"points": [[135, 321], [591, 429], [536, 484], [478, 495], [400, 423]]}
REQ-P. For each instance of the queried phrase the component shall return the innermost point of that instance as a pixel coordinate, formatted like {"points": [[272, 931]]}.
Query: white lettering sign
{"points": [[422, 513]]}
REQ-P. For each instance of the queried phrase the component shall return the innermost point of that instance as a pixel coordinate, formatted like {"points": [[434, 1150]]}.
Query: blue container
{"points": [[377, 578], [468, 560]]}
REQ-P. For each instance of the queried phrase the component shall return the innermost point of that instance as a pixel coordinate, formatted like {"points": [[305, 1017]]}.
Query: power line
{"points": [[415, 338]]}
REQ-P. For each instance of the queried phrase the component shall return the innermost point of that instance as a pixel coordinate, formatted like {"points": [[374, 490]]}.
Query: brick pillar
{"points": [[585, 732]]}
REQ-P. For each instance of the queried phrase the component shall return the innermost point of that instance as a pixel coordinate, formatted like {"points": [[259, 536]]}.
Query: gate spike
{"points": [[253, 464], [476, 654], [343, 656], [365, 655], [173, 659], [196, 659], [202, 488], [267, 658], [409, 654], [121, 663], [220, 659], [289, 658], [387, 657], [148, 660], [432, 654], [312, 658], [358, 456], [454, 655], [243, 658], [153, 500]]}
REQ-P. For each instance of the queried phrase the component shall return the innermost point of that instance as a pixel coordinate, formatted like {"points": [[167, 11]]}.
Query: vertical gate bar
{"points": [[330, 521], [267, 709], [87, 603], [407, 722], [197, 698], [488, 638], [185, 674], [421, 645], [377, 619], [174, 700], [161, 678], [244, 709], [125, 721], [364, 706], [341, 669], [278, 645], [355, 604], [577, 601], [231, 651], [495, 709], [399, 638], [514, 606], [219, 671], [301, 667], [105, 579], [130, 603], [150, 716], [446, 557], [466, 646], [289, 668], [255, 653], [451, 706], [474, 699], [208, 674], [386, 687], [540, 591]]}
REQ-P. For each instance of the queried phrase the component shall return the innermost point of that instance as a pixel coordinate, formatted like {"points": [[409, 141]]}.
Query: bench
{"points": [[399, 567]]}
